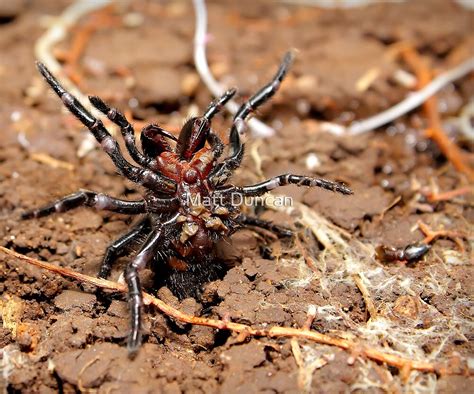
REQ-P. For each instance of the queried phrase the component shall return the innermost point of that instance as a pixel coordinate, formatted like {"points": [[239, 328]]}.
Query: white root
{"points": [[56, 33], [413, 101], [259, 129]]}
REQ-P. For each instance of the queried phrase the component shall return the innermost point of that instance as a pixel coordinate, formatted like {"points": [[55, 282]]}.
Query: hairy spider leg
{"points": [[90, 199], [236, 154], [246, 220], [138, 175], [118, 247], [127, 130], [135, 298], [287, 179]]}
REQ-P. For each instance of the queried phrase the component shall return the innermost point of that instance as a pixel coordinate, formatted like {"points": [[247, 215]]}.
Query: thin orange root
{"points": [[431, 235], [435, 129], [271, 332], [445, 196], [81, 38]]}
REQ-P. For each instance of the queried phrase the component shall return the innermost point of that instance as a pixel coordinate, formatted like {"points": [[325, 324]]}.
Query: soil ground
{"points": [[60, 335]]}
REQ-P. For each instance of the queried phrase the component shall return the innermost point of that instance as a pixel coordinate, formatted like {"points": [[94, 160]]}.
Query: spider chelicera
{"points": [[187, 205]]}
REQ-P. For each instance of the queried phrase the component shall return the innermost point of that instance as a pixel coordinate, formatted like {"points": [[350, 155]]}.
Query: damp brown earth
{"points": [[59, 335]]}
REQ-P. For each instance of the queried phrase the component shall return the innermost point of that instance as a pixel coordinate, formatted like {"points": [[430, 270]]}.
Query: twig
{"points": [[310, 316], [395, 201], [307, 258], [369, 304], [272, 332], [295, 348], [307, 366], [83, 369], [304, 376], [369, 77], [255, 154], [435, 130], [200, 38], [44, 158]]}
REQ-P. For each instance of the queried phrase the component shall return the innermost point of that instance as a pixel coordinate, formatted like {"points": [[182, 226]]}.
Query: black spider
{"points": [[187, 204]]}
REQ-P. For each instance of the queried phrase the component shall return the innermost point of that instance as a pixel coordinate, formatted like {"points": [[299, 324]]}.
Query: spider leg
{"points": [[127, 130], [89, 199], [118, 247], [267, 91], [138, 175], [217, 105], [258, 99], [224, 170], [135, 297], [287, 179], [265, 224]]}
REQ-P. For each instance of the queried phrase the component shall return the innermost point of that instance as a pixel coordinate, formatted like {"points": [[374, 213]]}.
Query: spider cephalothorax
{"points": [[187, 205]]}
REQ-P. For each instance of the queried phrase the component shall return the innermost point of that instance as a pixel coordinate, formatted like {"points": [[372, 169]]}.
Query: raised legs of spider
{"points": [[161, 204]]}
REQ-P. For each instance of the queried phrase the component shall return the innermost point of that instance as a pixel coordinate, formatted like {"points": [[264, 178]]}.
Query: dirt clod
{"points": [[70, 299]]}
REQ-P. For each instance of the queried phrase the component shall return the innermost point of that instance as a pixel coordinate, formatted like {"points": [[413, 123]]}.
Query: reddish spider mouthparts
{"points": [[178, 229]]}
